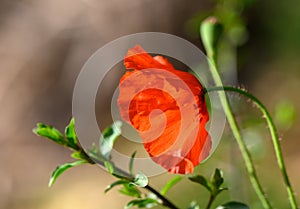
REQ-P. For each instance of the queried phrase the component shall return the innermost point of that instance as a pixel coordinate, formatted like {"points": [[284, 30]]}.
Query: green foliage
{"points": [[217, 180], [95, 154], [233, 205], [68, 140], [110, 135], [131, 163], [170, 184], [213, 185], [109, 167], [50, 133], [62, 168], [129, 184], [116, 183], [71, 135], [79, 155], [202, 181], [129, 189], [142, 203]]}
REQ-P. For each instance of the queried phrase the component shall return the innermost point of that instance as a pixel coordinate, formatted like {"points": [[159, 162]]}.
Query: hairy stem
{"points": [[237, 135], [274, 136]]}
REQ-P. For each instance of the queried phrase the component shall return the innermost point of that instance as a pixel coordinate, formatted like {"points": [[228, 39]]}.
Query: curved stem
{"points": [[274, 136], [237, 135]]}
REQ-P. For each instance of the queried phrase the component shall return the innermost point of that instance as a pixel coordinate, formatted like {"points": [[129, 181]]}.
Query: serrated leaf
{"points": [[140, 180], [233, 205], [130, 190], [50, 133], [71, 135], [169, 184], [110, 135], [142, 203], [109, 167], [62, 168], [116, 183], [202, 181], [131, 163], [217, 178], [194, 205]]}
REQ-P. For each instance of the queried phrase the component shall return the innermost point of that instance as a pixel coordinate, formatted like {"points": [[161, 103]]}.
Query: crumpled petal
{"points": [[166, 106]]}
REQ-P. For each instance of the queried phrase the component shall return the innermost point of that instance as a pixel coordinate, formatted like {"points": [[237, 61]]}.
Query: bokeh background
{"points": [[44, 44]]}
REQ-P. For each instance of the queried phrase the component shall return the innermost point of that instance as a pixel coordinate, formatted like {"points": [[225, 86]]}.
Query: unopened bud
{"points": [[210, 31]]}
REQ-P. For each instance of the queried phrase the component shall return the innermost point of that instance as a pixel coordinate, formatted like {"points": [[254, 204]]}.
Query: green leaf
{"points": [[62, 168], [95, 153], [203, 181], [71, 135], [140, 180], [233, 205], [169, 184], [109, 167], [142, 203], [220, 190], [116, 183], [50, 133], [79, 155], [217, 178], [194, 205], [130, 190], [131, 163], [110, 135]]}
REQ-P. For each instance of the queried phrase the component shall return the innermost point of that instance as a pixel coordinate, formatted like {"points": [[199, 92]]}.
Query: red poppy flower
{"points": [[166, 106]]}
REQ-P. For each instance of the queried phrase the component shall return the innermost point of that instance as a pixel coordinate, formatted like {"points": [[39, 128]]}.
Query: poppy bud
{"points": [[210, 30]]}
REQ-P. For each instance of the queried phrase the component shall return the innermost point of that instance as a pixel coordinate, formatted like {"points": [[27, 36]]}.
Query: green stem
{"points": [[164, 200], [274, 136], [123, 174], [211, 199], [237, 135]]}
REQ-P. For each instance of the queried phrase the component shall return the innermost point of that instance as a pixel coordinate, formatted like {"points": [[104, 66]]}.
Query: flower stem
{"points": [[274, 136], [236, 133]]}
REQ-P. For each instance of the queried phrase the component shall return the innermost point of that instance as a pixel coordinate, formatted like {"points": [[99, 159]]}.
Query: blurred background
{"points": [[44, 45]]}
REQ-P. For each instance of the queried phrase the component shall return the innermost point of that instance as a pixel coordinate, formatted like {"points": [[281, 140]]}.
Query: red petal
{"points": [[154, 85], [138, 59]]}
